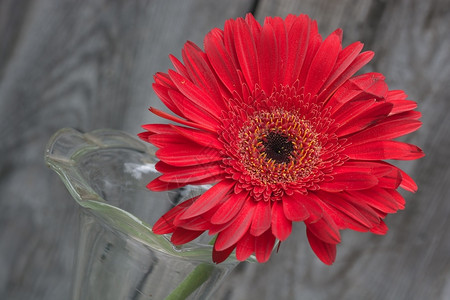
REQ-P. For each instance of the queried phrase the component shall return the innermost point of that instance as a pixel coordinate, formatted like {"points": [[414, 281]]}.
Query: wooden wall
{"points": [[89, 65]]}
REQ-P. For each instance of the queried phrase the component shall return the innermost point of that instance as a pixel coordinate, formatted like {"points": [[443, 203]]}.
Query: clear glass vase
{"points": [[119, 257]]}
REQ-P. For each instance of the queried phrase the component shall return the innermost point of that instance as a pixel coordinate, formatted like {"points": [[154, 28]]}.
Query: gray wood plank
{"points": [[89, 65]]}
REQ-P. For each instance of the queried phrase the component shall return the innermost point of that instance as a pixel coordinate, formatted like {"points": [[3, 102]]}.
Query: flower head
{"points": [[274, 117]]}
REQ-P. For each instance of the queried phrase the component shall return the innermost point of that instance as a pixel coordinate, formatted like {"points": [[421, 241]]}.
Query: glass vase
{"points": [[119, 257]]}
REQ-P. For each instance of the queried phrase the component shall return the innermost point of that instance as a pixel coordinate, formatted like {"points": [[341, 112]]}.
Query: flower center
{"points": [[278, 146]]}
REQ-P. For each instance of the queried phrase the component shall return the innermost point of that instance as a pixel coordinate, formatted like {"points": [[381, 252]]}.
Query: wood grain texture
{"points": [[89, 64]]}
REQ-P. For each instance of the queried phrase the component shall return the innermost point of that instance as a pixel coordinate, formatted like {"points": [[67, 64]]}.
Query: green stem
{"points": [[195, 279]]}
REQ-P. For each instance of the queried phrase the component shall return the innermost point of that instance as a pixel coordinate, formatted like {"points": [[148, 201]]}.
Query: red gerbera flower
{"points": [[273, 115]]}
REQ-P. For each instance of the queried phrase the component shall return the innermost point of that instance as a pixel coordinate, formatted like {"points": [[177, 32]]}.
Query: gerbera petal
{"points": [[376, 168], [388, 175], [182, 236], [349, 181], [229, 209], [293, 207], [163, 93], [144, 135], [206, 139], [311, 203], [391, 181], [246, 53], [361, 87], [188, 174], [261, 218], [281, 226], [323, 62], [379, 150], [281, 37], [325, 229], [405, 115], [398, 95], [198, 223], [351, 110], [343, 75], [158, 128], [220, 256], [385, 130], [164, 135], [298, 37], [314, 42], [345, 57], [398, 198], [245, 247], [236, 230], [407, 182], [400, 104], [200, 72], [326, 252], [377, 198], [188, 155], [196, 95], [254, 26], [172, 136], [169, 117], [162, 140], [157, 185], [165, 223], [380, 229], [192, 111], [363, 119], [264, 246], [163, 79], [372, 84], [340, 204], [179, 67], [221, 60], [369, 213], [228, 37], [268, 59], [209, 199]]}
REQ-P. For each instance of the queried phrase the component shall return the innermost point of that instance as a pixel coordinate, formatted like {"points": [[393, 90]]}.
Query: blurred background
{"points": [[89, 65]]}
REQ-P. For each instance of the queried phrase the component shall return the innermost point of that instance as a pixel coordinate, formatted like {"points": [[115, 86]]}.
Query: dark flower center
{"points": [[278, 147]]}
